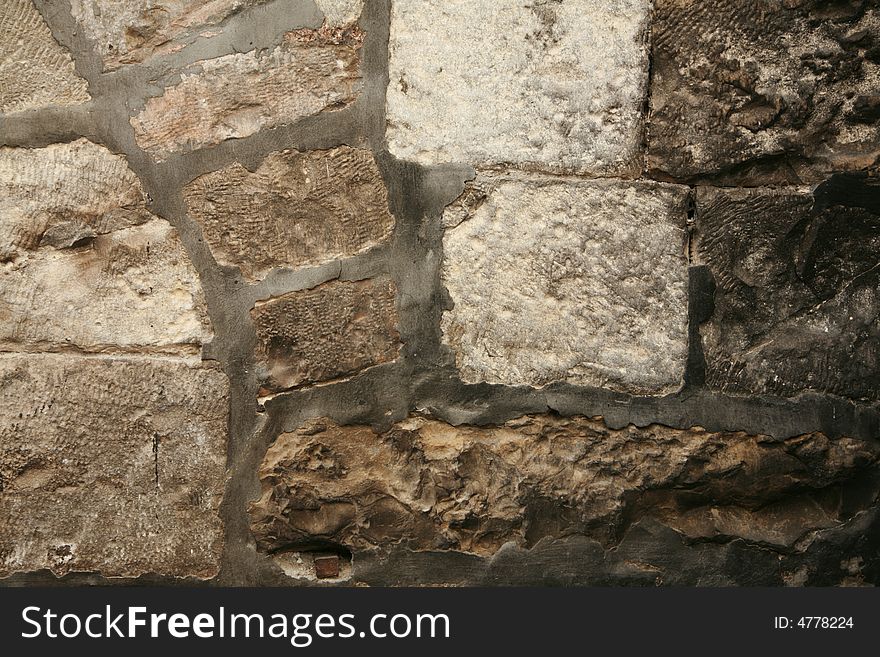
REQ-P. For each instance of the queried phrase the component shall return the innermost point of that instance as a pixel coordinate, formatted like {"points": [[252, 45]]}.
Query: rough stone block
{"points": [[556, 86], [426, 485], [340, 12], [130, 31], [35, 71], [798, 288], [83, 263], [235, 96], [111, 465], [297, 209], [763, 92], [576, 281], [327, 332]]}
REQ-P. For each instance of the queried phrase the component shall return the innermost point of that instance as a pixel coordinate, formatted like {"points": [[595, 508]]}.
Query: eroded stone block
{"points": [[297, 209], [798, 288], [340, 12], [426, 485], [538, 85], [35, 71], [764, 92], [576, 281], [114, 465], [235, 96], [327, 332], [130, 31], [82, 261]]}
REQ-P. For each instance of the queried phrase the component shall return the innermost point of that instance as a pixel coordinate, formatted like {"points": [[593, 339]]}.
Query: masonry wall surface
{"points": [[417, 292]]}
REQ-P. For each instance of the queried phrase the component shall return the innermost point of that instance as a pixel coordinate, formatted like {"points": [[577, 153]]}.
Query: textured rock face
{"points": [[297, 209], [798, 288], [34, 70], [425, 485], [584, 282], [764, 92], [111, 464], [538, 85], [129, 31], [340, 12], [330, 331], [235, 96], [84, 263]]}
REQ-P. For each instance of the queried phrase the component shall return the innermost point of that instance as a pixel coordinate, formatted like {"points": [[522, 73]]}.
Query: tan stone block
{"points": [[235, 96], [111, 464], [296, 210], [35, 71], [334, 330], [82, 261]]}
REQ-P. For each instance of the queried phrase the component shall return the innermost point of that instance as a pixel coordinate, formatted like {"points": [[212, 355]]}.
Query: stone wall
{"points": [[440, 292]]}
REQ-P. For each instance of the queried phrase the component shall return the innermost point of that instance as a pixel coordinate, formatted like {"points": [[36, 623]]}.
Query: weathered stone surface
{"points": [[327, 332], [129, 31], [83, 263], [340, 12], [108, 464], [764, 92], [297, 209], [426, 485], [552, 86], [556, 280], [798, 288], [35, 71], [235, 96]]}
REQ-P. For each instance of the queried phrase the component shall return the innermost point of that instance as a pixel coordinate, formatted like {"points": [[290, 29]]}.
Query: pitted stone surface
{"points": [[296, 210], [797, 305], [553, 86], [35, 71], [764, 92], [130, 31], [82, 261], [235, 96], [426, 485], [557, 280], [114, 465], [340, 12], [327, 332]]}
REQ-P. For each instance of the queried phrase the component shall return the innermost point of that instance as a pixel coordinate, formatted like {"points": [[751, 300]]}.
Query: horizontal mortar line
{"points": [[198, 48], [556, 175], [360, 267], [172, 353], [251, 150]]}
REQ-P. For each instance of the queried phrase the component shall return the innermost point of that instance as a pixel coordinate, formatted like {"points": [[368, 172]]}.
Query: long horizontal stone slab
{"points": [[426, 485]]}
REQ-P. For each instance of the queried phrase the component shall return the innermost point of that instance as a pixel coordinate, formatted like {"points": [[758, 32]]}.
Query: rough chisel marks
{"points": [[554, 280], [764, 92], [426, 485], [235, 96], [797, 306], [35, 71], [82, 261], [297, 209], [327, 332], [554, 86], [114, 465]]}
